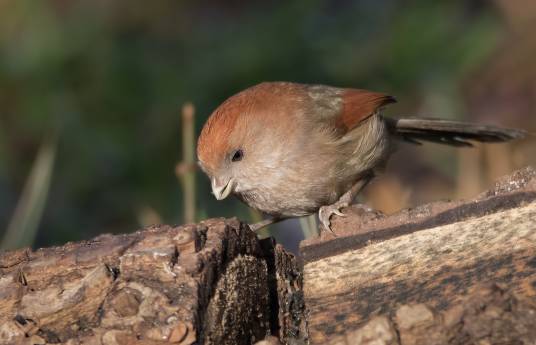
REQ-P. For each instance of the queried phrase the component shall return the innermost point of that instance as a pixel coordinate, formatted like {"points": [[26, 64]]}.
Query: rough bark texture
{"points": [[445, 273], [431, 257], [211, 283]]}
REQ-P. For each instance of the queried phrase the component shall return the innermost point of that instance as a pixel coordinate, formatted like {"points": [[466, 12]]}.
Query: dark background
{"points": [[91, 93]]}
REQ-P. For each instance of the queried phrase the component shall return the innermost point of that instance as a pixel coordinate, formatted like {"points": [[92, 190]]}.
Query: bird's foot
{"points": [[326, 212]]}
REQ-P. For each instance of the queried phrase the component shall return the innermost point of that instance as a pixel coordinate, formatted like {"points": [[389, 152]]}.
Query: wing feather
{"points": [[358, 105]]}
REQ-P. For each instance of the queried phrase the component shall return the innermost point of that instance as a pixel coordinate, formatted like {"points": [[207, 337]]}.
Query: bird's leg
{"points": [[264, 223], [325, 212]]}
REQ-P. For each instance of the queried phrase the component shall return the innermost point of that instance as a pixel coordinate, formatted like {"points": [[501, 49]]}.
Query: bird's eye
{"points": [[237, 156]]}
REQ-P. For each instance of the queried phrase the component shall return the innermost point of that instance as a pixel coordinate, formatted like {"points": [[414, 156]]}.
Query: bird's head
{"points": [[244, 139]]}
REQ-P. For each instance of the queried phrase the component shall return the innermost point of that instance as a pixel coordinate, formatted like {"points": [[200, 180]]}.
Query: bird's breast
{"points": [[287, 203]]}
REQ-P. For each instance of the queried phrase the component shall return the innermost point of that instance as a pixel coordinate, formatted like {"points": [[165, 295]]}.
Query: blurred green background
{"points": [[91, 94]]}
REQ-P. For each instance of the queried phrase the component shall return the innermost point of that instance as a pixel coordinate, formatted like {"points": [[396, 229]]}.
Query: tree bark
{"points": [[210, 283], [429, 259], [459, 272]]}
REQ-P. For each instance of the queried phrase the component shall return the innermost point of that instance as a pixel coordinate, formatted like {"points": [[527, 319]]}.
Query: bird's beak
{"points": [[222, 189]]}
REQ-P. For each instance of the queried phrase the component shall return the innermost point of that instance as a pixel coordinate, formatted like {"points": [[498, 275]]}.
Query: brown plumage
{"points": [[291, 149], [359, 105]]}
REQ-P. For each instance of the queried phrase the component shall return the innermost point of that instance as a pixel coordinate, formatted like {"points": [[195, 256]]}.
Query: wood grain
{"points": [[436, 266]]}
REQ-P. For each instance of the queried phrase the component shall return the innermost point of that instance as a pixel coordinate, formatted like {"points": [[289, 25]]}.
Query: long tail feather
{"points": [[448, 132]]}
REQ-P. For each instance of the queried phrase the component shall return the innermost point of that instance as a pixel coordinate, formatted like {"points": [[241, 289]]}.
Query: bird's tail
{"points": [[416, 130]]}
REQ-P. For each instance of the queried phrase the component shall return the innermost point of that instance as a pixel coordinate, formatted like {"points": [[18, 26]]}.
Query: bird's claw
{"points": [[326, 212]]}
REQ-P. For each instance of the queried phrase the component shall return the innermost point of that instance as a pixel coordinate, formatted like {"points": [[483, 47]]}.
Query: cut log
{"points": [[444, 273], [211, 283], [432, 256]]}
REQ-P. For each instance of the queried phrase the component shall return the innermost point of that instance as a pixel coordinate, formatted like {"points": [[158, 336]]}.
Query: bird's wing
{"points": [[358, 105], [345, 109]]}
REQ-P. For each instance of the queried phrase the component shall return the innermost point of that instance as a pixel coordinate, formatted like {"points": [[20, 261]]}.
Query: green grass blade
{"points": [[23, 226]]}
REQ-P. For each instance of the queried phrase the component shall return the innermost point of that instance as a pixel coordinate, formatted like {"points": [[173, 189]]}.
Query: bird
{"points": [[289, 149]]}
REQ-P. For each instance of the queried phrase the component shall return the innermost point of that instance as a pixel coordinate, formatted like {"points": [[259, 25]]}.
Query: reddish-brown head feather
{"points": [[358, 105], [261, 106], [215, 134]]}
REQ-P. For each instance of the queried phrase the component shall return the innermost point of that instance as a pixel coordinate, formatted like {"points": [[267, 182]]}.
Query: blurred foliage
{"points": [[113, 76]]}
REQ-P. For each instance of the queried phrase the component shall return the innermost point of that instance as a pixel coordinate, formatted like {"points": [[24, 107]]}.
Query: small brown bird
{"points": [[290, 150]]}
